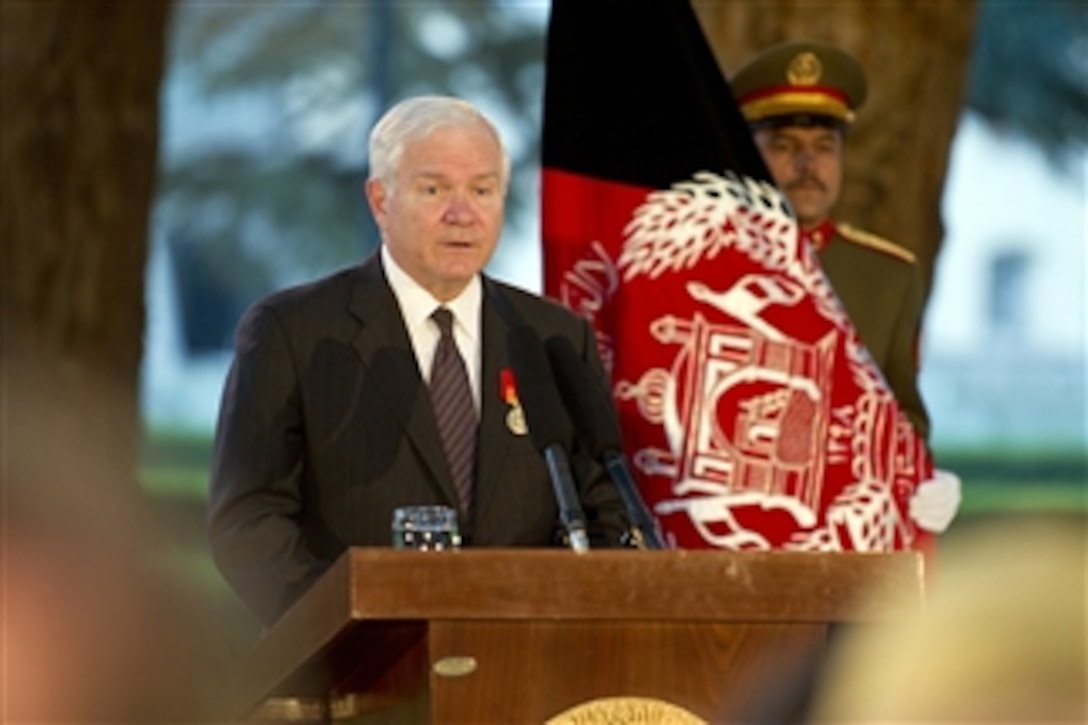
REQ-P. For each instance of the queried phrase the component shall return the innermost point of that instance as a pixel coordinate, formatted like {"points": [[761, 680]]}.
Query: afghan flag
{"points": [[751, 412]]}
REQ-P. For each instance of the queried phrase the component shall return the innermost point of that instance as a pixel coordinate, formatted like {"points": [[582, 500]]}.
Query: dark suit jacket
{"points": [[326, 426]]}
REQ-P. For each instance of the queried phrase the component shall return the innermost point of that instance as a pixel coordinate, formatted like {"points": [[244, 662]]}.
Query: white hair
{"points": [[416, 117]]}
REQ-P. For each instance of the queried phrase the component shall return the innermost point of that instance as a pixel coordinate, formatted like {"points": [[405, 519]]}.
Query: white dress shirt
{"points": [[416, 306]]}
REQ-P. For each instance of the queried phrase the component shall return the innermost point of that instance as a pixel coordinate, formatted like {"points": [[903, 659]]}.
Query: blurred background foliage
{"points": [[1030, 71], [274, 194]]}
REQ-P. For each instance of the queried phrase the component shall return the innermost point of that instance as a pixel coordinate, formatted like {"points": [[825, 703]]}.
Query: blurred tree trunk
{"points": [[93, 630], [917, 56], [79, 152]]}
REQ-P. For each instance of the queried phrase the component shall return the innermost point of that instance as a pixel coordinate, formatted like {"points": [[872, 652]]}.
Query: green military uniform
{"points": [[880, 286], [814, 84]]}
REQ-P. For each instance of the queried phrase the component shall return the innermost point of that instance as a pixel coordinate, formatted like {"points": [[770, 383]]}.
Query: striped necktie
{"points": [[454, 409]]}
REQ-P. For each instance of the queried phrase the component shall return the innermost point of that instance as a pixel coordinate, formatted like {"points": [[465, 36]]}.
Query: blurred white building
{"points": [[1005, 343]]}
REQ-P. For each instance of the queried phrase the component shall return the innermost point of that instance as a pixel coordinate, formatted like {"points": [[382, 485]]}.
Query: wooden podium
{"points": [[528, 635]]}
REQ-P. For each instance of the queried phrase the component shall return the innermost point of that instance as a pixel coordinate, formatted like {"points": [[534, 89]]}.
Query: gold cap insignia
{"points": [[804, 70]]}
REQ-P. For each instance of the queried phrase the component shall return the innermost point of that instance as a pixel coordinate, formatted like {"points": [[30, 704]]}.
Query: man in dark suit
{"points": [[327, 423]]}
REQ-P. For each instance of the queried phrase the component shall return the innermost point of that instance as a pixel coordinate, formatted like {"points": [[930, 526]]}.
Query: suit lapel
{"points": [[495, 433], [386, 351]]}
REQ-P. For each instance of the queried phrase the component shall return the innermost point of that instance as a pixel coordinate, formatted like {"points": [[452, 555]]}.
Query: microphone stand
{"points": [[643, 533]]}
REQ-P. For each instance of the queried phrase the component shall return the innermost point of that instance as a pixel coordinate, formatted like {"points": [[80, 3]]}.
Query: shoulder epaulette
{"points": [[867, 239]]}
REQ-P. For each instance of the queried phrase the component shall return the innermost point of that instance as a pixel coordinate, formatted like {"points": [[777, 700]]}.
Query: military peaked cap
{"points": [[800, 84]]}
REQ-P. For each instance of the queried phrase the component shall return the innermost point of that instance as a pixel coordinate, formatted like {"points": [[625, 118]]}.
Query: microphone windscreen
{"points": [[545, 416], [587, 399]]}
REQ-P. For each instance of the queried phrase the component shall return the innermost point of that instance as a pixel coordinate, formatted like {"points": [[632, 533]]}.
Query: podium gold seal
{"points": [[624, 710]]}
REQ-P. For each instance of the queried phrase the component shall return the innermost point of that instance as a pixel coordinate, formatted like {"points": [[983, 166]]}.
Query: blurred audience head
{"points": [[1002, 638]]}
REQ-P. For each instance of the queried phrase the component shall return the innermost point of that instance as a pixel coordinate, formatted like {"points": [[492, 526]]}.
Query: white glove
{"points": [[936, 501]]}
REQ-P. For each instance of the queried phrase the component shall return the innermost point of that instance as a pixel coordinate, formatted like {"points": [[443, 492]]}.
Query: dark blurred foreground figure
{"points": [[799, 99], [327, 424]]}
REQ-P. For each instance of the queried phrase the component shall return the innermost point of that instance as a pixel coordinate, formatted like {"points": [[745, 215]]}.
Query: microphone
{"points": [[591, 406], [549, 426]]}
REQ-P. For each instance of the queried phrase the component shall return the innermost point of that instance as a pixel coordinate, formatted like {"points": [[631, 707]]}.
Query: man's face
{"points": [[442, 215], [806, 163]]}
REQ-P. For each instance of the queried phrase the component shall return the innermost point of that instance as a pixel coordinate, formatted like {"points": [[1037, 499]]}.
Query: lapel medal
{"points": [[515, 416]]}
